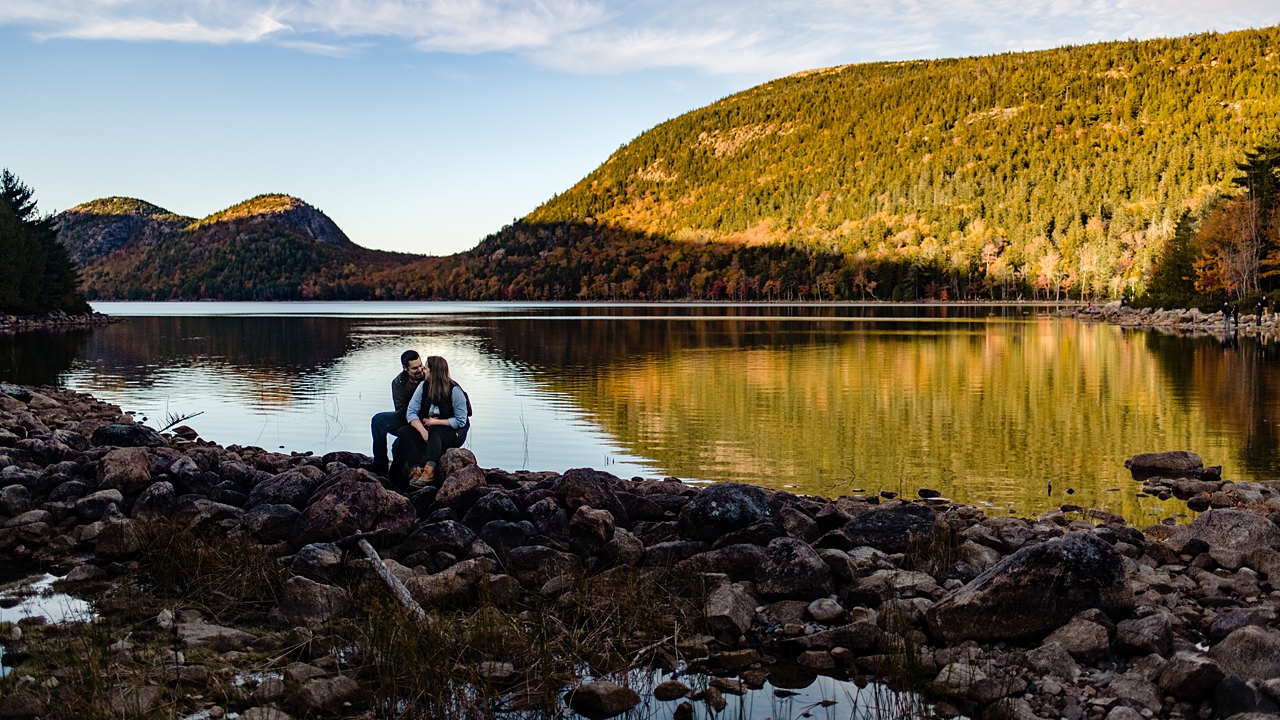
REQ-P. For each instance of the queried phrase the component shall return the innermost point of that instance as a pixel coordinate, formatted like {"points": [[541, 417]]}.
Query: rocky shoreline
{"points": [[1192, 321], [55, 320], [1072, 614]]}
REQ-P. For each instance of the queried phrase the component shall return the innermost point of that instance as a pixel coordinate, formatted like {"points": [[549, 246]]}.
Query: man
{"points": [[402, 388]]}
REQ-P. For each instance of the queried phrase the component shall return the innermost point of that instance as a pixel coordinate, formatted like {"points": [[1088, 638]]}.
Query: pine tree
{"points": [[21, 264], [60, 277]]}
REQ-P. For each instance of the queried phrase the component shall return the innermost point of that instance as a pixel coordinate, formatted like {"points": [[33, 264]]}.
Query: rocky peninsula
{"points": [[1182, 320], [234, 580], [54, 320]]}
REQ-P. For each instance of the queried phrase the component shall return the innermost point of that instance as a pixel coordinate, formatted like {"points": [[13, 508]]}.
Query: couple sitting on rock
{"points": [[432, 415]]}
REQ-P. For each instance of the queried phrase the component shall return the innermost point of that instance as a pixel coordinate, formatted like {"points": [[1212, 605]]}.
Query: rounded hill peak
{"points": [[283, 210]]}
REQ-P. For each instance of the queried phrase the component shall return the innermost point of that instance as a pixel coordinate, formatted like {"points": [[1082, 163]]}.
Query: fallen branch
{"points": [[397, 588]]}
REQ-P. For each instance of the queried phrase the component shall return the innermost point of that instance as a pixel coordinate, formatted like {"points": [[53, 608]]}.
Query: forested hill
{"points": [[272, 247], [1057, 171]]}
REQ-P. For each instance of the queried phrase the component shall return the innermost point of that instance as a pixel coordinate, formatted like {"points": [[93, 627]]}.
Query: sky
{"points": [[424, 125]]}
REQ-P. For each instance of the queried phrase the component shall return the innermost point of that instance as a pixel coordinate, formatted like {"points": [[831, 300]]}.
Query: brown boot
{"points": [[422, 477]]}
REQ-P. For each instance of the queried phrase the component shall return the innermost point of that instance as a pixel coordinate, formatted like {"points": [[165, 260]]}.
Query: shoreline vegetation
{"points": [[235, 579]]}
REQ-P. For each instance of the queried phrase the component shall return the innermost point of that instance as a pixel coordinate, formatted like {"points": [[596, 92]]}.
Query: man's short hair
{"points": [[407, 357]]}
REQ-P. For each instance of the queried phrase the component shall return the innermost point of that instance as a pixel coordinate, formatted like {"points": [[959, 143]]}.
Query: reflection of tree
{"points": [[1233, 388], [38, 358], [980, 411]]}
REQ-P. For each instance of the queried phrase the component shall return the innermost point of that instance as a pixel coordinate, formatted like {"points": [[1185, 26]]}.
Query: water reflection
{"points": [[1003, 406]]}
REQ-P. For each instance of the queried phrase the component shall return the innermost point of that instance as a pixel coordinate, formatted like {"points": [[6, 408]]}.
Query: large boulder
{"points": [[158, 500], [453, 460], [1251, 652], [293, 487], [1165, 464], [116, 541], [601, 699], [356, 502], [125, 469], [318, 561], [889, 529], [448, 536], [455, 586], [468, 478], [593, 488], [739, 562], [721, 509], [91, 507], [791, 569], [272, 523], [1034, 591], [1189, 676], [311, 602], [534, 565], [127, 435], [1229, 530], [730, 609]]}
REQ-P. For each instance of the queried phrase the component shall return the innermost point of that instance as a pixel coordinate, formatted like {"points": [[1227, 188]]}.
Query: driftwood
{"points": [[397, 588]]}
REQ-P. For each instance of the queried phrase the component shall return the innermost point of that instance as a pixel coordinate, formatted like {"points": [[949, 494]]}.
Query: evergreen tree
{"points": [[21, 264], [60, 277]]}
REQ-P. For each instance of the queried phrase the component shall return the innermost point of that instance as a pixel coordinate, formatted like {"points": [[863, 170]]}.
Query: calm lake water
{"points": [[1002, 406]]}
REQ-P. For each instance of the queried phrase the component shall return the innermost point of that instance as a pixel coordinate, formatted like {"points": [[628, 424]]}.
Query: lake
{"points": [[1003, 406]]}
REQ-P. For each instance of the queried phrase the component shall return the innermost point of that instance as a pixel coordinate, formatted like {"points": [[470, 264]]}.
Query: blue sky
{"points": [[423, 125]]}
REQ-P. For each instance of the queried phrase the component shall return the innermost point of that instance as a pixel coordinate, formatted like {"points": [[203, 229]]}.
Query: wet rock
{"points": [[126, 469], [1034, 591], [889, 529], [1053, 659], [217, 637], [318, 561], [729, 609], [1190, 676], [91, 507], [355, 502], [1251, 652], [601, 699], [329, 695], [15, 500], [1144, 636], [308, 601], [1176, 463], [453, 587], [792, 569], [127, 435], [272, 523], [459, 483], [158, 500], [593, 488], [116, 541], [293, 487], [721, 509], [1229, 530], [84, 573]]}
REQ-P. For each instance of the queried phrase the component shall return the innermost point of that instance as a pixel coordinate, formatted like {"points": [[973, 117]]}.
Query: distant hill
{"points": [[1056, 172], [272, 247], [1059, 173]]}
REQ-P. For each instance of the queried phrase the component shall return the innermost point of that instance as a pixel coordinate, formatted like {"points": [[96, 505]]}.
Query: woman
{"points": [[442, 425]]}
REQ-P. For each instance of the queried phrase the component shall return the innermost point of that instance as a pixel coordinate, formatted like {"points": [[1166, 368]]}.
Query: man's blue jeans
{"points": [[383, 424]]}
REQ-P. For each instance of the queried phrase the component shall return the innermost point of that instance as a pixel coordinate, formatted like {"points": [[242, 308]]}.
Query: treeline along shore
{"points": [[235, 579]]}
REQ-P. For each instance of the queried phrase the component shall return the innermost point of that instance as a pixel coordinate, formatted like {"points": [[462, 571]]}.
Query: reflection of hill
{"points": [[979, 411], [1236, 388], [271, 358]]}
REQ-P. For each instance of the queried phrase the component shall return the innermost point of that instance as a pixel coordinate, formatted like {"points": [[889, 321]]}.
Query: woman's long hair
{"points": [[439, 389]]}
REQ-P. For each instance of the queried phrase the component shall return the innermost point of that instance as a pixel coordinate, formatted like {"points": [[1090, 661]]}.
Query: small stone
{"points": [[826, 611], [602, 699], [670, 690]]}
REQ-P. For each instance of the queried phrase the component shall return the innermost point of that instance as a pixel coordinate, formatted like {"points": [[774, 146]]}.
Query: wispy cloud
{"points": [[608, 36]]}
